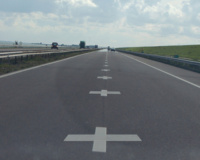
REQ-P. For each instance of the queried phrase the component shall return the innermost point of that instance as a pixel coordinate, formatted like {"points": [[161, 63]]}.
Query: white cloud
{"points": [[140, 4], [36, 22], [118, 3], [181, 29], [195, 30], [114, 22], [160, 10], [198, 17], [77, 3], [127, 5], [2, 25], [174, 8]]}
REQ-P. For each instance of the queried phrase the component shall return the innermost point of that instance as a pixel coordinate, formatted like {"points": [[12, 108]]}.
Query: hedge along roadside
{"points": [[189, 65]]}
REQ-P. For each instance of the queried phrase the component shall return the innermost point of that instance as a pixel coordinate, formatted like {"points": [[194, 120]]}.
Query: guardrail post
{"points": [[9, 60], [15, 61]]}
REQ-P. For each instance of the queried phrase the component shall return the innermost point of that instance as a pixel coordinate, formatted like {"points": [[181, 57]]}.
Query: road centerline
{"points": [[100, 138], [104, 77], [104, 93]]}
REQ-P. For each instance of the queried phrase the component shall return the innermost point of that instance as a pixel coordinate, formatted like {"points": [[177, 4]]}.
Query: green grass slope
{"points": [[191, 52]]}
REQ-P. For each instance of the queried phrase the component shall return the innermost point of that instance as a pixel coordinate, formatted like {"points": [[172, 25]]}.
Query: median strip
{"points": [[16, 63]]}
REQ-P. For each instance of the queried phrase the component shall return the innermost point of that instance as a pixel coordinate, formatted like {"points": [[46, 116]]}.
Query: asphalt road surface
{"points": [[100, 106]]}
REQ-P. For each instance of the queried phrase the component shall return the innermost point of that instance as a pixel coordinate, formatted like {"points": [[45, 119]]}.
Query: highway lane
{"points": [[40, 107]]}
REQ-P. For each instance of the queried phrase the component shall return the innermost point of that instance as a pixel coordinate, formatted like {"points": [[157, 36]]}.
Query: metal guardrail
{"points": [[24, 46], [186, 64], [25, 53], [29, 45], [13, 59]]}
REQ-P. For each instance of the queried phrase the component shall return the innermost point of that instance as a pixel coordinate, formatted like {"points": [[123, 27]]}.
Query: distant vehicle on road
{"points": [[54, 45], [112, 49], [82, 44]]}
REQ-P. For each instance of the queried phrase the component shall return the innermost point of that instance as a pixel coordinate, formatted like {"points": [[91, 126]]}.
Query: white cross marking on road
{"points": [[104, 77], [100, 138], [105, 70], [104, 93]]}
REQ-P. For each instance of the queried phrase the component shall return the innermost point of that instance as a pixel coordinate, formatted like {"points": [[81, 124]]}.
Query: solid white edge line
{"points": [[24, 70], [195, 85]]}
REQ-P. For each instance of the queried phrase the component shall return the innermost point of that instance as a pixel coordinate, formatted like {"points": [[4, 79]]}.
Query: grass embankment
{"points": [[19, 63], [191, 52]]}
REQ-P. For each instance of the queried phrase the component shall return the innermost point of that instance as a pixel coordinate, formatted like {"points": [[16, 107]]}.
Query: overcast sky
{"points": [[116, 23]]}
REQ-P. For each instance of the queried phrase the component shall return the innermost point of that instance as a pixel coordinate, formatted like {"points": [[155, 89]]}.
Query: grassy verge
{"points": [[15, 64], [191, 52]]}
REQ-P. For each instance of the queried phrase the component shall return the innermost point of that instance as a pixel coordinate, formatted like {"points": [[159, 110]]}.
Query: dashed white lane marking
{"points": [[104, 93], [105, 65], [99, 144], [104, 77], [100, 138], [105, 70], [195, 85]]}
